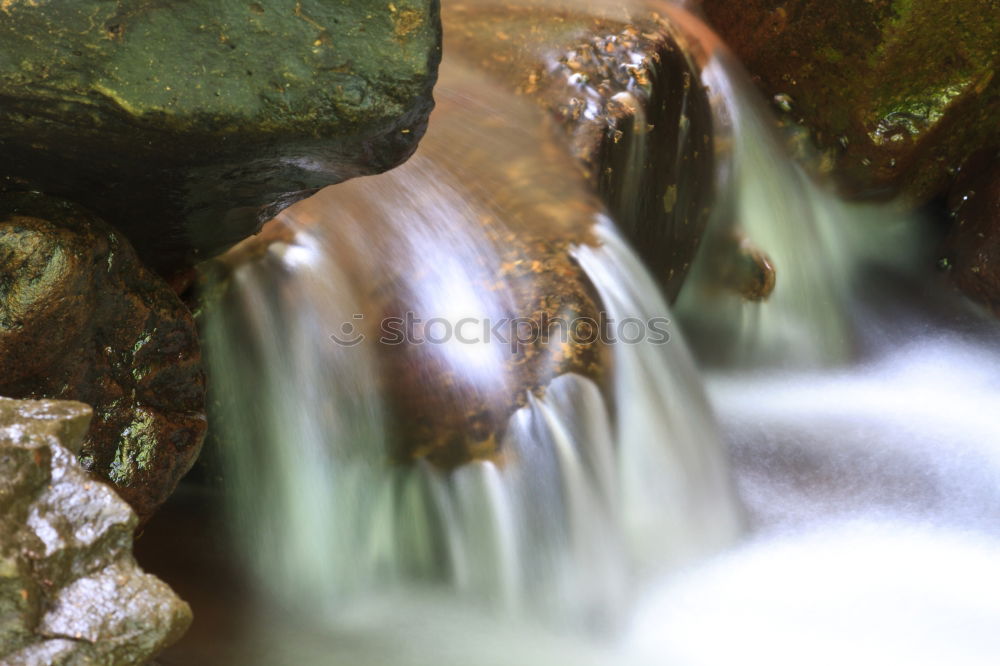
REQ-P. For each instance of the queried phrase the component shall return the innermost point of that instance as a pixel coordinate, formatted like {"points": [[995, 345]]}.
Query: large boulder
{"points": [[187, 124], [82, 319], [70, 590], [902, 91]]}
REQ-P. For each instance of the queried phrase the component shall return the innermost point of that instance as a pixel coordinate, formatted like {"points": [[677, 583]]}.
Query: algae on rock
{"points": [[902, 90]]}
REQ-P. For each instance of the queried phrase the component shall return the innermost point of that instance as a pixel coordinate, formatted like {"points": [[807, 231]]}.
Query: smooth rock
{"points": [[421, 242], [82, 319], [188, 124], [70, 590], [900, 91]]}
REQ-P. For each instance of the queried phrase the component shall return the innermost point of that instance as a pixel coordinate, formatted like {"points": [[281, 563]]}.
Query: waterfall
{"points": [[854, 403], [600, 484], [815, 241], [664, 404], [866, 476]]}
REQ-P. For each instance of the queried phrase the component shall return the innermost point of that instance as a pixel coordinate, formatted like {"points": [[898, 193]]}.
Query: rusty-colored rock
{"points": [[82, 319], [430, 239], [70, 590], [972, 250], [626, 95], [902, 91]]}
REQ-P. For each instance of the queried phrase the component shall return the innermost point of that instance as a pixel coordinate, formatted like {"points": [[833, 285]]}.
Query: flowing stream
{"points": [[830, 497], [594, 492]]}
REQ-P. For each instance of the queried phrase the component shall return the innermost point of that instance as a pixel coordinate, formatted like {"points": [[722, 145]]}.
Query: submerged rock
{"points": [[903, 91], [189, 124], [972, 250], [423, 250], [70, 590], [82, 319], [737, 264]]}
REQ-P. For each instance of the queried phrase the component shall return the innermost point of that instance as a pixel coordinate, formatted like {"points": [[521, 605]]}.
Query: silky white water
{"points": [[862, 410], [859, 420]]}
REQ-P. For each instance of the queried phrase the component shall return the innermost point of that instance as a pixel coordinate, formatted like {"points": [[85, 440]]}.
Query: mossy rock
{"points": [[188, 123], [82, 319], [902, 90]]}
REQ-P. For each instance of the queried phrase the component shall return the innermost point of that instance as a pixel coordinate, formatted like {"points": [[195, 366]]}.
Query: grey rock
{"points": [[70, 590]]}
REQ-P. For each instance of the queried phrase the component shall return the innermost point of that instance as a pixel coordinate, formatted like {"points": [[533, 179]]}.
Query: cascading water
{"points": [[606, 482], [814, 240], [596, 485], [862, 426]]}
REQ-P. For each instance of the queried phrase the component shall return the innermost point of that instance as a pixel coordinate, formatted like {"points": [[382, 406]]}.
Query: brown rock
{"points": [[972, 250], [902, 91], [625, 94], [82, 319], [447, 403], [70, 591], [742, 267]]}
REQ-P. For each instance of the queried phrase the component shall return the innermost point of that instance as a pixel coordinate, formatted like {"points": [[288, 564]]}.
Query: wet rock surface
{"points": [[972, 250], [625, 94], [501, 256], [900, 91], [740, 266], [70, 591], [82, 319], [189, 124]]}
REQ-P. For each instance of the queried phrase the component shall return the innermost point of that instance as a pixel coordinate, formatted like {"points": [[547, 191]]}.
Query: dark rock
{"points": [[188, 124], [972, 250], [903, 91], [626, 95], [70, 591], [82, 319], [650, 148]]}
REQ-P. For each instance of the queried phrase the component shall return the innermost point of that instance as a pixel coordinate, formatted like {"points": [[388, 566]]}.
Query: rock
{"points": [[70, 590], [737, 264], [626, 96], [972, 250], [188, 124], [902, 90], [500, 257], [82, 319]]}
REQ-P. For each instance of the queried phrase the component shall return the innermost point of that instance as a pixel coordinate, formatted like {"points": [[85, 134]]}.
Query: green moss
{"points": [[830, 54], [136, 450]]}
